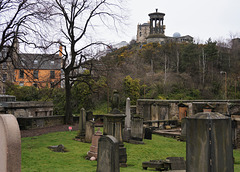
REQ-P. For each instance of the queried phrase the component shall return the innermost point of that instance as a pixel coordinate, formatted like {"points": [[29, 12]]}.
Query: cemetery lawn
{"points": [[36, 157]]}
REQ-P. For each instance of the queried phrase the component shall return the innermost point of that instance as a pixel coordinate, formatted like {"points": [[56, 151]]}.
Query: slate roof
{"points": [[39, 61]]}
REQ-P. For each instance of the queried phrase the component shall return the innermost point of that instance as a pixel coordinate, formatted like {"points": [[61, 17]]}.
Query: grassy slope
{"points": [[37, 157]]}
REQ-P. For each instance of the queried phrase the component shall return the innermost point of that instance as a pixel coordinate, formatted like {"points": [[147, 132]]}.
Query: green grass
{"points": [[36, 157]]}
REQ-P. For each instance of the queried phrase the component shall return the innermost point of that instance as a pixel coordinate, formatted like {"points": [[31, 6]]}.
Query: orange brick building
{"points": [[39, 70]]}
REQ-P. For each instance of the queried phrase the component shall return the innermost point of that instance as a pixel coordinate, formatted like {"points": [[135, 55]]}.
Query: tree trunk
{"points": [[165, 69], [203, 67], [68, 106], [177, 62]]}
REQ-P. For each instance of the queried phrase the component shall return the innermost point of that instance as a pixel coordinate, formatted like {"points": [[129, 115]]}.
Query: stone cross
{"points": [[108, 154], [10, 144]]}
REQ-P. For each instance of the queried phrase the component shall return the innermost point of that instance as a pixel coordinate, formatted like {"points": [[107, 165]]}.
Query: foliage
{"points": [[132, 88], [23, 93]]}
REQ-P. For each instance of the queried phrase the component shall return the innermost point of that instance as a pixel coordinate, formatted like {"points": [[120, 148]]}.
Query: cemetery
{"points": [[127, 142], [71, 100]]}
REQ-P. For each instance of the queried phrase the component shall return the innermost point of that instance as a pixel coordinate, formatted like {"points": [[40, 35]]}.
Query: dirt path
{"points": [[40, 131]]}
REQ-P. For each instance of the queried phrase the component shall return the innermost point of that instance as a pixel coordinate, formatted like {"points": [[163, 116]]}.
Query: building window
{"points": [[35, 74], [52, 74], [21, 84], [4, 77], [140, 34], [35, 62], [52, 62], [21, 74]]}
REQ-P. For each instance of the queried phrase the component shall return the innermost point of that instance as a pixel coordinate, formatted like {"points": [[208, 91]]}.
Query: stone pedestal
{"points": [[112, 125], [94, 147]]}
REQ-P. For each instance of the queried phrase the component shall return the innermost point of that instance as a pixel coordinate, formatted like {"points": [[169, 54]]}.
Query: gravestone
{"points": [[148, 134], [10, 144], [89, 131], [94, 147], [82, 125], [136, 129], [127, 126], [108, 154]]}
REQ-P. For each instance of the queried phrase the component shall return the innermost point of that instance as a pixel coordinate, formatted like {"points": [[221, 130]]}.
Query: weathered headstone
{"points": [[136, 129], [94, 147], [148, 134], [82, 125], [108, 154], [89, 131], [127, 126], [209, 143], [10, 144]]}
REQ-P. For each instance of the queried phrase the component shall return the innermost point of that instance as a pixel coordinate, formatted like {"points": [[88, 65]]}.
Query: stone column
{"points": [[151, 26], [127, 127], [82, 125]]}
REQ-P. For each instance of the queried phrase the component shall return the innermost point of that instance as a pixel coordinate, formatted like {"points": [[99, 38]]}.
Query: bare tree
{"points": [[20, 21], [76, 21]]}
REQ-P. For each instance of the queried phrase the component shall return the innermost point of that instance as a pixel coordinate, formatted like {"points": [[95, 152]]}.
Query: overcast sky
{"points": [[200, 19]]}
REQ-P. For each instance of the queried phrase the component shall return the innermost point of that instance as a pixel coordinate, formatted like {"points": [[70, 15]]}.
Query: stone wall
{"points": [[153, 109], [28, 108], [39, 122], [7, 98]]}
